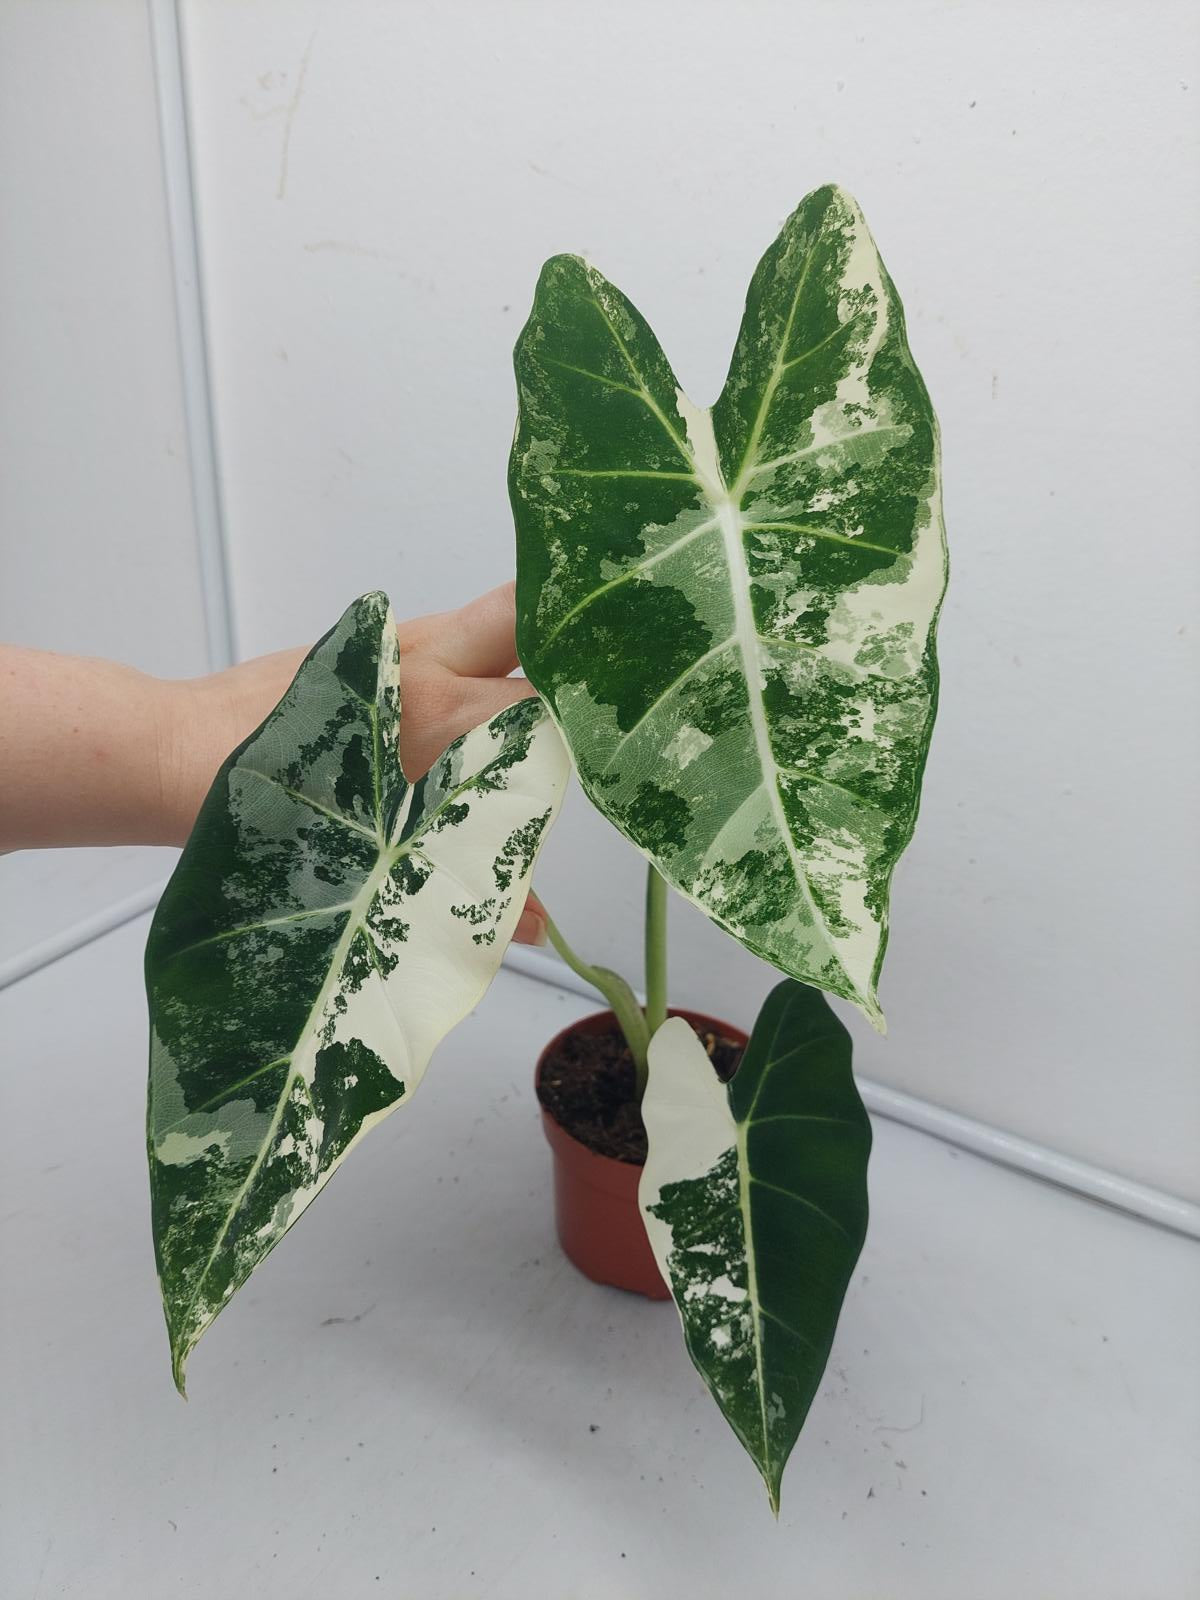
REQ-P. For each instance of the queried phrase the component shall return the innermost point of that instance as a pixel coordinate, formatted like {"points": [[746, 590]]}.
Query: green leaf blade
{"points": [[755, 1203], [325, 927], [738, 643]]}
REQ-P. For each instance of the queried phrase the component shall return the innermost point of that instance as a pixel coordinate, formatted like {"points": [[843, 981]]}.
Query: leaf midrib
{"points": [[747, 635], [361, 903], [742, 1127], [359, 907], [743, 1168], [726, 506]]}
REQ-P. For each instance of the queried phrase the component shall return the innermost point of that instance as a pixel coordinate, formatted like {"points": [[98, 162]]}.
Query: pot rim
{"points": [[566, 1143]]}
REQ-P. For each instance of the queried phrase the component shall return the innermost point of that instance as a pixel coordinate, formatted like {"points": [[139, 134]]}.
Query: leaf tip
{"points": [[557, 269], [181, 1349], [868, 1004]]}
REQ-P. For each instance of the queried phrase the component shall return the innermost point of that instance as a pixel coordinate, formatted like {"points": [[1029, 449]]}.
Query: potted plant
{"points": [[729, 617]]}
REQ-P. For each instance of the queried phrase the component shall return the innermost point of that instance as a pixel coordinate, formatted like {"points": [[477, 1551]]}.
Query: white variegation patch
{"points": [[686, 744], [689, 1127]]}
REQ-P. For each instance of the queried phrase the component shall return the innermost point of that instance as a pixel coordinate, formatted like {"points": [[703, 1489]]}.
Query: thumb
{"points": [[485, 698]]}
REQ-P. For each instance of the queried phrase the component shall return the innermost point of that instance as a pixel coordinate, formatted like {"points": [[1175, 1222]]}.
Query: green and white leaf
{"points": [[731, 612], [326, 926], [754, 1197]]}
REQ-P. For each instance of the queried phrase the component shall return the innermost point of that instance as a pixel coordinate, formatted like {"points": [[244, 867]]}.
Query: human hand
{"points": [[142, 752], [454, 668]]}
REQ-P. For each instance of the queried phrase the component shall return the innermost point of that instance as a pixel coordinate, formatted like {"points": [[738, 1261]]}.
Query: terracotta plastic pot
{"points": [[595, 1197]]}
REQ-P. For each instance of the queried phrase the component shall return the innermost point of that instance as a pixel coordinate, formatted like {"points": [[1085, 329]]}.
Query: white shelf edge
{"points": [[965, 1133], [980, 1138], [80, 933]]}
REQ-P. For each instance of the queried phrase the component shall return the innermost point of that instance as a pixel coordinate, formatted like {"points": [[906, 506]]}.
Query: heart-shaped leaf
{"points": [[755, 1202], [731, 613], [326, 926]]}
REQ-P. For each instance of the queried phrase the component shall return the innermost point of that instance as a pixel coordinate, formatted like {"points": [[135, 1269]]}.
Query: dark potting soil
{"points": [[589, 1087]]}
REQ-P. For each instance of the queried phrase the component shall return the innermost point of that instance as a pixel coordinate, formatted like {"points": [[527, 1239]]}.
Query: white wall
{"points": [[97, 551], [378, 187], [378, 184]]}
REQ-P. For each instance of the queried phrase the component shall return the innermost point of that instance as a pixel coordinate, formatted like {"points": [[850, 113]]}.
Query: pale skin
{"points": [[94, 753]]}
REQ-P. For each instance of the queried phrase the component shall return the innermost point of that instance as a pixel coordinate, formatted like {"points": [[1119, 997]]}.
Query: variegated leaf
{"points": [[731, 612], [755, 1202], [326, 926]]}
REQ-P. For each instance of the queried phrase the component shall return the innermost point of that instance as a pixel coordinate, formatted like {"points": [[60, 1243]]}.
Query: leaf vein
{"points": [[629, 573], [800, 1199], [695, 666], [810, 532], [829, 783], [787, 1327], [821, 343], [797, 1116], [831, 444], [642, 390], [620, 472], [307, 800], [267, 922], [222, 1098]]}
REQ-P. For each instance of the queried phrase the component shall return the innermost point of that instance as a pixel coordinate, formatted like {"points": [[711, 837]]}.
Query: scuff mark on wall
{"points": [[289, 117]]}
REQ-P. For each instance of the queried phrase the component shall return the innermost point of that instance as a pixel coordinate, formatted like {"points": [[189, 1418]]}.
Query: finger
{"points": [[478, 640], [487, 697], [443, 707], [531, 926]]}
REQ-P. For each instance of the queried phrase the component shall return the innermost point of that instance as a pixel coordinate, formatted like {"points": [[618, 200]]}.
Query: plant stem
{"points": [[656, 951], [619, 995]]}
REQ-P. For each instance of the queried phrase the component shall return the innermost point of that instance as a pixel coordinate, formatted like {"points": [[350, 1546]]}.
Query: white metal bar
{"points": [[1037, 1160], [981, 1139], [170, 76], [993, 1144], [80, 933]]}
